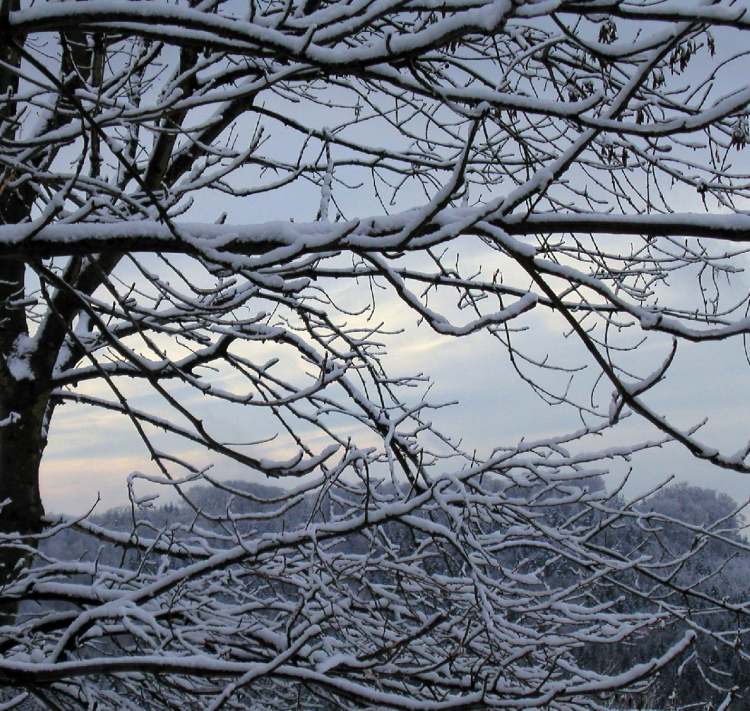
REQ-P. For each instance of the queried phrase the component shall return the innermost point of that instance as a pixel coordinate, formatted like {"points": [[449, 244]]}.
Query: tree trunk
{"points": [[21, 409], [22, 440]]}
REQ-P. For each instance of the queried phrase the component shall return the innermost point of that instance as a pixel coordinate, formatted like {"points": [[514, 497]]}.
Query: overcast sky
{"points": [[92, 452]]}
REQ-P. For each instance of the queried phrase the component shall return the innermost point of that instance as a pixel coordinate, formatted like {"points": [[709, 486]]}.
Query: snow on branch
{"points": [[293, 245]]}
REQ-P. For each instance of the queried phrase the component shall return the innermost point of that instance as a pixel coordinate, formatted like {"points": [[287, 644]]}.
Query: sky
{"points": [[91, 453]]}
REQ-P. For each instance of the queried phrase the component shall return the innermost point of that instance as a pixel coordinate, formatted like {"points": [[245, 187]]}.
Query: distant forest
{"points": [[647, 529]]}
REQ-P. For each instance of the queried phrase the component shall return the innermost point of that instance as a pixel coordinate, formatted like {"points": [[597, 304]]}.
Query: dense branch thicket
{"points": [[220, 203]]}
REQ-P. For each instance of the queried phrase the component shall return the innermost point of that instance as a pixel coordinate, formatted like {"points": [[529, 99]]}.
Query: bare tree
{"points": [[549, 142]]}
